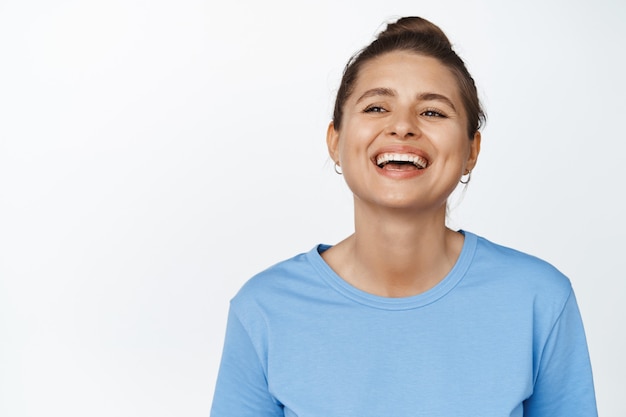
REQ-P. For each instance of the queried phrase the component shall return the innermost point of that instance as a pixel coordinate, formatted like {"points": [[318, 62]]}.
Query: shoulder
{"points": [[281, 283], [522, 271]]}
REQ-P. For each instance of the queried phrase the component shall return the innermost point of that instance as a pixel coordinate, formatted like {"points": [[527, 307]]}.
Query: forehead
{"points": [[407, 73]]}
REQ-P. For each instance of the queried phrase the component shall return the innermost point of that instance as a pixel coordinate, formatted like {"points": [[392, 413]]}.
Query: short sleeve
{"points": [[241, 388], [564, 383]]}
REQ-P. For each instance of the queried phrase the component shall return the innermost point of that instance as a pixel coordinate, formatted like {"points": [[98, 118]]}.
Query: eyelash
{"points": [[374, 109], [427, 112], [433, 113]]}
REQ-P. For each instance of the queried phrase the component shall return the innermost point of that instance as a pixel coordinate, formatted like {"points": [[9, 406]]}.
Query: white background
{"points": [[156, 154]]}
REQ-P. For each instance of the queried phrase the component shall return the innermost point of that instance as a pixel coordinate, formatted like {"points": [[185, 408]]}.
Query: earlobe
{"points": [[332, 141], [474, 151]]}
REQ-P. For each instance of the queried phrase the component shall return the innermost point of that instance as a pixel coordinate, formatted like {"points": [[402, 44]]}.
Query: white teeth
{"points": [[386, 158]]}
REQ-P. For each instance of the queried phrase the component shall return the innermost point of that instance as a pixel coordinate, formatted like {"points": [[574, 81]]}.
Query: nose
{"points": [[403, 124]]}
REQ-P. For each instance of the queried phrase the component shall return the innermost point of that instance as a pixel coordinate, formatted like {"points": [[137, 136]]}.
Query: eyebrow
{"points": [[436, 97], [376, 92], [381, 91]]}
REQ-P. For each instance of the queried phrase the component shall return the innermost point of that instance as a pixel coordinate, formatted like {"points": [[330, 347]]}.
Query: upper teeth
{"points": [[386, 158]]}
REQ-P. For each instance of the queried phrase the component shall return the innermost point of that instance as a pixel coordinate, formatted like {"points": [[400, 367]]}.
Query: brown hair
{"points": [[414, 34]]}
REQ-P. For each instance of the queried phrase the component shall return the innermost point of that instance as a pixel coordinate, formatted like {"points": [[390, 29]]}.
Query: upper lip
{"points": [[403, 153]]}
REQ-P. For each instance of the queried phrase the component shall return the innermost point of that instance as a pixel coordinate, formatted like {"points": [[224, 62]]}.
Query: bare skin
{"points": [[393, 257], [401, 245]]}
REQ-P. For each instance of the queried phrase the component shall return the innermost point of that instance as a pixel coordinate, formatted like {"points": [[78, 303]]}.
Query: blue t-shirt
{"points": [[499, 336]]}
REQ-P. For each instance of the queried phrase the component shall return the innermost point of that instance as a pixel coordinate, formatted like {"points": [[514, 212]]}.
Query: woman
{"points": [[406, 317]]}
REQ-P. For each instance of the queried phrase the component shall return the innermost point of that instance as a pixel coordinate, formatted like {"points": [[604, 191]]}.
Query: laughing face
{"points": [[403, 139]]}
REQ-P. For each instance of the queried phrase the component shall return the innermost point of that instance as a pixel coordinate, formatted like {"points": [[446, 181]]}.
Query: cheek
{"points": [[459, 144], [349, 144], [451, 144], [464, 150], [359, 133]]}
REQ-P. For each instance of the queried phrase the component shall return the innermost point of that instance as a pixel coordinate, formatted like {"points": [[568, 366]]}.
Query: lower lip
{"points": [[400, 174]]}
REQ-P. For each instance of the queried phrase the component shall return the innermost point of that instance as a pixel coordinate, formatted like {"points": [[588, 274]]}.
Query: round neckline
{"points": [[401, 303]]}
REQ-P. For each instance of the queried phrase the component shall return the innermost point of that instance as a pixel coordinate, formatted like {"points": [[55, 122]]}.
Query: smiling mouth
{"points": [[401, 161]]}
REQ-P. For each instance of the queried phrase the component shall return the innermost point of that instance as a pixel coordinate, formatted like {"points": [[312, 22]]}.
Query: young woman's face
{"points": [[403, 141]]}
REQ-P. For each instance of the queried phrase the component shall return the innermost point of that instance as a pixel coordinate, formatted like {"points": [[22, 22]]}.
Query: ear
{"points": [[474, 151], [332, 141]]}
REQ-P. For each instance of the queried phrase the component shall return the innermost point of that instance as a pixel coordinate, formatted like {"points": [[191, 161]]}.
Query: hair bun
{"points": [[412, 26]]}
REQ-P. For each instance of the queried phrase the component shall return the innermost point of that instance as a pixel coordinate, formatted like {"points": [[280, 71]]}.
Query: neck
{"points": [[395, 253]]}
